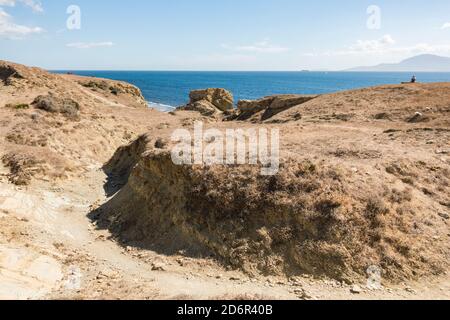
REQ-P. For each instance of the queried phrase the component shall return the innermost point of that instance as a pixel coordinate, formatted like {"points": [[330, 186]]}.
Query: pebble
{"points": [[158, 267], [444, 215], [302, 294], [107, 274], [410, 290], [356, 289]]}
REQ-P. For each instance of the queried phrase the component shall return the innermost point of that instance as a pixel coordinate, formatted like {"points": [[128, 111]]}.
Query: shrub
{"points": [[20, 106], [65, 106]]}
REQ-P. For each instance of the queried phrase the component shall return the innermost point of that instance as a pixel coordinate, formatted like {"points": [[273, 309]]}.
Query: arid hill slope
{"points": [[364, 182], [55, 126]]}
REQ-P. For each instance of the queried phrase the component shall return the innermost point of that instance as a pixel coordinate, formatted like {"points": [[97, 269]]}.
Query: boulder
{"points": [[219, 98], [205, 107], [271, 105], [418, 117], [210, 102], [255, 105]]}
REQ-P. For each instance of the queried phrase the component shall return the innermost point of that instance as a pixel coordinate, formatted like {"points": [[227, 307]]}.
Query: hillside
{"points": [[92, 205]]}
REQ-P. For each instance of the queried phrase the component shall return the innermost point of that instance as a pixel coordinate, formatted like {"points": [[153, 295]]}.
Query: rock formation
{"points": [[210, 102], [269, 106]]}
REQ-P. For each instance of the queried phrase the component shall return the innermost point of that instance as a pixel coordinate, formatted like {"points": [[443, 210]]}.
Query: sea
{"points": [[166, 90]]}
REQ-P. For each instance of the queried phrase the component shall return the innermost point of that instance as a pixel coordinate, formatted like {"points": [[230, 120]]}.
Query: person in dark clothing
{"points": [[413, 79]]}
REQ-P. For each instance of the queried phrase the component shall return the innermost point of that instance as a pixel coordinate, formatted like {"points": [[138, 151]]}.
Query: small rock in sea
{"points": [[356, 289]]}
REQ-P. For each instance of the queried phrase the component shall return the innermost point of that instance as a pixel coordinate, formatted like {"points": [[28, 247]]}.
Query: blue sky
{"points": [[222, 34]]}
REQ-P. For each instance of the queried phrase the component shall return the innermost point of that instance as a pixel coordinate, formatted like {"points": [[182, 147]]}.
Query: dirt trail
{"points": [[51, 249]]}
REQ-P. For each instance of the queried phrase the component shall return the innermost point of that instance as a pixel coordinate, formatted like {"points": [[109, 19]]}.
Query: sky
{"points": [[249, 35]]}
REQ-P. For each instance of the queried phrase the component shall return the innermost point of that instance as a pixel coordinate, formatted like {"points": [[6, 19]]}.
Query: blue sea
{"points": [[165, 90]]}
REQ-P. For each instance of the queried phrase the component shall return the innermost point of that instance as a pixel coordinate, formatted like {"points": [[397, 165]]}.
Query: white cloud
{"points": [[386, 46], [446, 26], [259, 47], [373, 45], [89, 45], [11, 30], [36, 6]]}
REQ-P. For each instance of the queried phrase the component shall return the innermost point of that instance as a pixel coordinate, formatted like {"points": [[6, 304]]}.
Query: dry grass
{"points": [[310, 218], [65, 106]]}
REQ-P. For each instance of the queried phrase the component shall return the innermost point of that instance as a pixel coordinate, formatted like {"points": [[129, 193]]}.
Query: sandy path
{"points": [[69, 258], [51, 249]]}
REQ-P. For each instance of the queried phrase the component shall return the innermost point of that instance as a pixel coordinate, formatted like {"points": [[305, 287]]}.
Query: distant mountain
{"points": [[421, 63]]}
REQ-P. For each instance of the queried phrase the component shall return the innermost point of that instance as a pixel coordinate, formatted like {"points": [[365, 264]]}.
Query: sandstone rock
{"points": [[284, 102], [356, 289], [444, 215], [219, 98], [210, 102], [206, 108], [158, 267], [418, 117], [271, 105], [303, 295], [255, 105], [116, 88]]}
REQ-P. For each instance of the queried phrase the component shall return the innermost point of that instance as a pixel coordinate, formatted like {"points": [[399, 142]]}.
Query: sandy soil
{"points": [[51, 249]]}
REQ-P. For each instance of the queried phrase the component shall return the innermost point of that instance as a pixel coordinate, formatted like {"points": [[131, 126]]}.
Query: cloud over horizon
{"points": [[386, 46], [89, 45], [258, 47]]}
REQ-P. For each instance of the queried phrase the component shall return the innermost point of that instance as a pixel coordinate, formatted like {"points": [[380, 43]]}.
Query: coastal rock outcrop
{"points": [[118, 90], [210, 102]]}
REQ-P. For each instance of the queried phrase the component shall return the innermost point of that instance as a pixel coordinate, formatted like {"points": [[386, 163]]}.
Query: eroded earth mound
{"points": [[363, 183]]}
